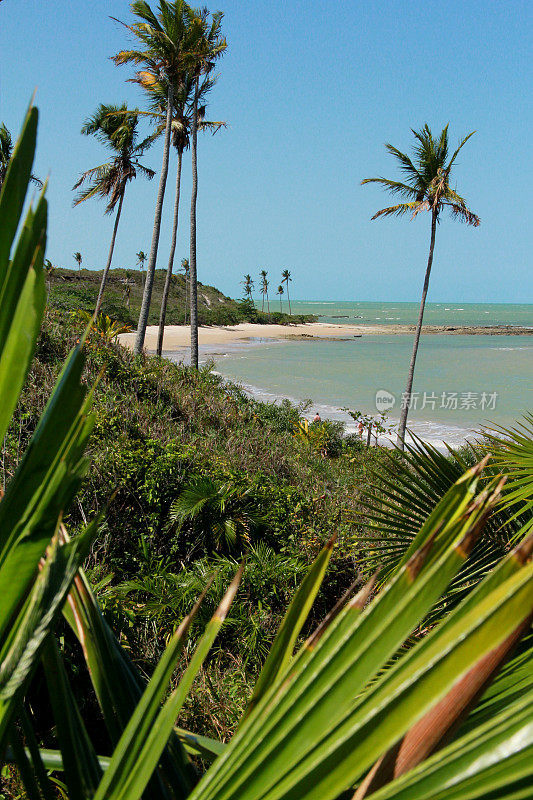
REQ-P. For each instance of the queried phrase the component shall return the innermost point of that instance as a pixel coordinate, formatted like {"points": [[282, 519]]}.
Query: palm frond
{"points": [[398, 211], [406, 165], [461, 143], [461, 212], [395, 187]]}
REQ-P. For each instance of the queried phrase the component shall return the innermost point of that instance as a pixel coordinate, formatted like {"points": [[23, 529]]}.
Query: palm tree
{"points": [[208, 45], [78, 259], [264, 289], [116, 128], [141, 258], [248, 286], [49, 269], [186, 272], [6, 151], [280, 293], [165, 51], [180, 130], [286, 278], [426, 188]]}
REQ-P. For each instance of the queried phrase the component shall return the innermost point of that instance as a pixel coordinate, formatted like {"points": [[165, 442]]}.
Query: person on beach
{"points": [[360, 429], [317, 418]]}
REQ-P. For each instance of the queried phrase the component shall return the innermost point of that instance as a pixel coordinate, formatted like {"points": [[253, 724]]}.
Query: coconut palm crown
{"points": [[116, 129], [426, 187], [427, 181]]}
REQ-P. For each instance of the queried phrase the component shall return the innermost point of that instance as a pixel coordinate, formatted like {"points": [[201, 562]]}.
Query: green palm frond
{"points": [[461, 144], [405, 162], [512, 450], [115, 126], [427, 178], [395, 187]]}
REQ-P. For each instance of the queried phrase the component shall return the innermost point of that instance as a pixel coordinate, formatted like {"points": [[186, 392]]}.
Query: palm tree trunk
{"points": [[289, 299], [193, 286], [166, 288], [109, 258], [268, 305], [400, 442], [150, 270]]}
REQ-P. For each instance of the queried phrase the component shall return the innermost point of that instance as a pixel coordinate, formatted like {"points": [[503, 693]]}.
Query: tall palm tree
{"points": [[248, 286], [141, 258], [280, 293], [208, 45], [186, 272], [165, 50], [180, 138], [286, 278], [6, 151], [116, 129], [78, 259], [426, 188], [264, 289]]}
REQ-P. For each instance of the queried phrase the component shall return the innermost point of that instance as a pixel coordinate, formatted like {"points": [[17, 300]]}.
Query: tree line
{"points": [[249, 286]]}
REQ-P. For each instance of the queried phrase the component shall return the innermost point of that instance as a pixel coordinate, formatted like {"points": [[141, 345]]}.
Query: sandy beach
{"points": [[178, 336]]}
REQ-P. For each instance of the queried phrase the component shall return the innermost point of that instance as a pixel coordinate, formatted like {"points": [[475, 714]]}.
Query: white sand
{"points": [[177, 336]]}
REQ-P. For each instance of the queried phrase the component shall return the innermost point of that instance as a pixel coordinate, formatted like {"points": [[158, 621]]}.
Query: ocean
{"points": [[461, 382]]}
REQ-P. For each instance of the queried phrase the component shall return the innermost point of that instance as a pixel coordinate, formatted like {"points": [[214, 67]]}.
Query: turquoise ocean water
{"points": [[461, 382]]}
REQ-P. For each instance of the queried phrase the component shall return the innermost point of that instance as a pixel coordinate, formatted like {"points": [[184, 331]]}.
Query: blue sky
{"points": [[311, 92]]}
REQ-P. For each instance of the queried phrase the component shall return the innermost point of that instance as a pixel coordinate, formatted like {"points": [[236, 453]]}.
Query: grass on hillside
{"points": [[77, 290]]}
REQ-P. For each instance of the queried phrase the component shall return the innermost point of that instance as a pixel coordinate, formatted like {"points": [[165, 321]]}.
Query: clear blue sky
{"points": [[311, 92]]}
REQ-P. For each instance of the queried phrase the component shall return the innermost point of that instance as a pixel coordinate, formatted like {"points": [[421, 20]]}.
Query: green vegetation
{"points": [[417, 686], [72, 290]]}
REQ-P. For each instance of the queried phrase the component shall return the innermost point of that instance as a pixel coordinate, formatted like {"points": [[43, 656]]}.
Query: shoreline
{"points": [[178, 336], [430, 431], [227, 340]]}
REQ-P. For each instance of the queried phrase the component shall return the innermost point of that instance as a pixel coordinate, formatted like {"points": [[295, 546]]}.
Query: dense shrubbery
{"points": [[158, 424]]}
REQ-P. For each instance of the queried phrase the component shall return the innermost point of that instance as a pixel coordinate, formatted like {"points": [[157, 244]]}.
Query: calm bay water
{"points": [[467, 380]]}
